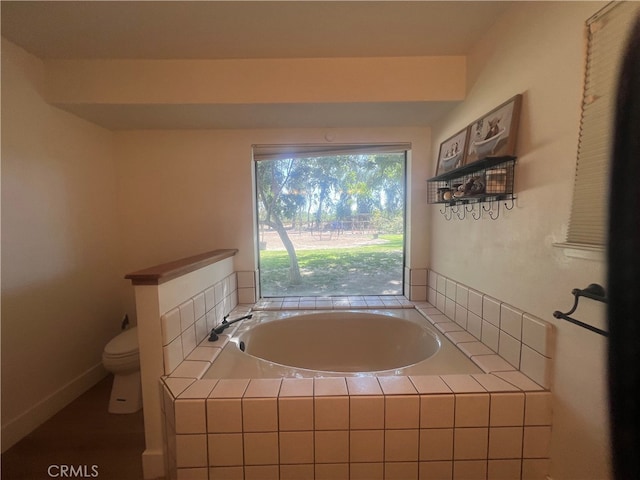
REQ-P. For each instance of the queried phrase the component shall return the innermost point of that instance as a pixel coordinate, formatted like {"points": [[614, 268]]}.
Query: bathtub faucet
{"points": [[213, 336]]}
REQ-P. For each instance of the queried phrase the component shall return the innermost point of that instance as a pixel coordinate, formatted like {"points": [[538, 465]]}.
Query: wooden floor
{"points": [[81, 435]]}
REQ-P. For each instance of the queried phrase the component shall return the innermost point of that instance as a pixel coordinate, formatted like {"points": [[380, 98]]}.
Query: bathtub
{"points": [[337, 343]]}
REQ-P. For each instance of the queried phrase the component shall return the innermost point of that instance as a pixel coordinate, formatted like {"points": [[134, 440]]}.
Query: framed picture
{"points": [[495, 134], [452, 152]]}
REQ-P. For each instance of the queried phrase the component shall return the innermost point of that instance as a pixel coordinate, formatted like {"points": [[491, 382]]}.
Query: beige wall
{"points": [[184, 192], [60, 294], [536, 49]]}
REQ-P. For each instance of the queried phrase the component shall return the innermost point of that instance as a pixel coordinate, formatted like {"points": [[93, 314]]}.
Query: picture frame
{"points": [[495, 133], [452, 152]]}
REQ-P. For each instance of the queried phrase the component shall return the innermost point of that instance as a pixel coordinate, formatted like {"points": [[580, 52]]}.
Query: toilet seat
{"points": [[123, 345], [121, 353]]}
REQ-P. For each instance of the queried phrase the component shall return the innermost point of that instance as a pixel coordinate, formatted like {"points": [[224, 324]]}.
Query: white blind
{"points": [[273, 152], [607, 33]]}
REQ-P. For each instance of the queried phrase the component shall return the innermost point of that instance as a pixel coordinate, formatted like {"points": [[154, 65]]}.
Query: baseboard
{"points": [[153, 464], [18, 428]]}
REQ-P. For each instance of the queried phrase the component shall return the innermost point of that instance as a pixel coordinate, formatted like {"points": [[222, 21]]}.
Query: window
{"points": [[331, 219], [607, 33]]}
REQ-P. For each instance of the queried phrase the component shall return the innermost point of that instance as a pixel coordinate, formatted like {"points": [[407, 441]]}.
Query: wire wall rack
{"points": [[474, 190]]}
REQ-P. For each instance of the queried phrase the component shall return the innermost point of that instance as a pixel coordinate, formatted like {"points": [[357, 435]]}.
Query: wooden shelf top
{"points": [[170, 270]]}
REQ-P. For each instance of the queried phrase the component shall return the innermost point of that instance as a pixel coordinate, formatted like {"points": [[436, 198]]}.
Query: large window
{"points": [[331, 222]]}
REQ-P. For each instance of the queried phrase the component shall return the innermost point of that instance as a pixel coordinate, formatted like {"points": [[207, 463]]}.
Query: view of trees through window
{"points": [[331, 225]]}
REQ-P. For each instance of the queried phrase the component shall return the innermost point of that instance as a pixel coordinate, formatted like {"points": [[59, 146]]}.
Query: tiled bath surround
{"points": [[420, 427], [187, 325], [482, 426], [498, 337]]}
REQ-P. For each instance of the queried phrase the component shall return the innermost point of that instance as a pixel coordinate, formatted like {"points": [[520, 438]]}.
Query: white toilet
{"points": [[122, 358]]}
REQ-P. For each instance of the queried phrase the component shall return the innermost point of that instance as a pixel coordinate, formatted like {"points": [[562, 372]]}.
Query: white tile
{"points": [[431, 296], [191, 369], [492, 363], [170, 323], [507, 409], [199, 389], [172, 354], [460, 337], [450, 308], [191, 450], [462, 383], [441, 285], [440, 302], [492, 383], [462, 295], [418, 293], [246, 295], [475, 302], [538, 335], [418, 276], [433, 279], [177, 385], [209, 299], [402, 411], [538, 408], [535, 366], [491, 310], [429, 384], [511, 320], [461, 315], [474, 348], [450, 290], [472, 410], [436, 444], [190, 416], [536, 442], [187, 315], [204, 354], [397, 385], [189, 340], [519, 380], [437, 411], [505, 442], [490, 335], [474, 324], [199, 307], [509, 349], [202, 331]]}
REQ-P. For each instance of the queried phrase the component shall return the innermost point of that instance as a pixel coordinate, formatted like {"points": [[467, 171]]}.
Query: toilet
{"points": [[122, 358]]}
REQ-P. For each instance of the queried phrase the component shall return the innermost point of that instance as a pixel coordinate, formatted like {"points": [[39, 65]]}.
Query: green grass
{"points": [[362, 270]]}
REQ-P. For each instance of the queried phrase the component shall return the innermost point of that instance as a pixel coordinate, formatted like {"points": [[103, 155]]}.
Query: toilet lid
{"points": [[125, 343]]}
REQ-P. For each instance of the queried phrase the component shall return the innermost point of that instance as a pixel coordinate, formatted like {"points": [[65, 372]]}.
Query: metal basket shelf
{"points": [[487, 181]]}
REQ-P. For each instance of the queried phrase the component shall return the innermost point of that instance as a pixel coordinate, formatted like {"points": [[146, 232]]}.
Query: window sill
{"points": [[583, 251]]}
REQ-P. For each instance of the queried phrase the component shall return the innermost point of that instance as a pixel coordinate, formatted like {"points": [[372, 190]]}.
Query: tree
{"points": [[273, 181]]}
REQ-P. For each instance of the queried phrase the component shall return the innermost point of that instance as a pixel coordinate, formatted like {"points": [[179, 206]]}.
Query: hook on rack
{"points": [[594, 292], [447, 209], [473, 213], [513, 204]]}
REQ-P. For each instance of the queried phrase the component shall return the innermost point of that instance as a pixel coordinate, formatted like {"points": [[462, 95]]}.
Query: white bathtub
{"points": [[338, 343]]}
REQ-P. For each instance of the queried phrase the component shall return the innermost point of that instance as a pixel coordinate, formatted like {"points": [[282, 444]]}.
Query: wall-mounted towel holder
{"points": [[594, 292]]}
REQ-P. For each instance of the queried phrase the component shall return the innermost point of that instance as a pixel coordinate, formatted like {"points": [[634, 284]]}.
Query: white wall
{"points": [[537, 49], [61, 298], [185, 192]]}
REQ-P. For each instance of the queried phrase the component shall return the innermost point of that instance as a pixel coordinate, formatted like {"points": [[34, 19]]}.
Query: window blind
{"points": [[607, 33], [275, 152]]}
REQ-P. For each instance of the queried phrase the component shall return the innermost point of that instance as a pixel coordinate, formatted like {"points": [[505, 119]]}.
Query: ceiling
{"points": [[251, 29]]}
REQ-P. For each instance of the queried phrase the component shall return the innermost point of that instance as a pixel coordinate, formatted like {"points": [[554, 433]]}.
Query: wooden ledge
{"points": [[168, 271]]}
